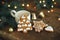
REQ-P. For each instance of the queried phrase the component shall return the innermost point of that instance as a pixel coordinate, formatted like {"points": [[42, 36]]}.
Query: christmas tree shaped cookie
{"points": [[24, 24]]}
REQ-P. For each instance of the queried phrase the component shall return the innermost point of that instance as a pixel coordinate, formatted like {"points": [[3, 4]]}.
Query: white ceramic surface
{"points": [[18, 14]]}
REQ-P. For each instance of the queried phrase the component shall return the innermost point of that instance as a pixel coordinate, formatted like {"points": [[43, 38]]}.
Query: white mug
{"points": [[18, 14]]}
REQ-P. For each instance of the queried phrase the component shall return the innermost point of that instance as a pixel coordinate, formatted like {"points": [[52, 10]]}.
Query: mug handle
{"points": [[13, 12]]}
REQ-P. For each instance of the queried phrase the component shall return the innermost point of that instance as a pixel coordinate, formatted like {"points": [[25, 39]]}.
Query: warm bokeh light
{"points": [[48, 11], [23, 5], [52, 6], [28, 5], [43, 1], [40, 1], [9, 5], [15, 7], [54, 2], [59, 19], [52, 10], [44, 5]]}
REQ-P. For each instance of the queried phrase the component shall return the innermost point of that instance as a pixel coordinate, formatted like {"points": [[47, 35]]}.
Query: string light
{"points": [[43, 1], [40, 2], [8, 5], [48, 11], [15, 7], [53, 0], [59, 19], [23, 5], [44, 5], [52, 10], [52, 6], [27, 5]]}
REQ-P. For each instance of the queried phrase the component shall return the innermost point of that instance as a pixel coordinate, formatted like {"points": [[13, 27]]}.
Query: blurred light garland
{"points": [[37, 4]]}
